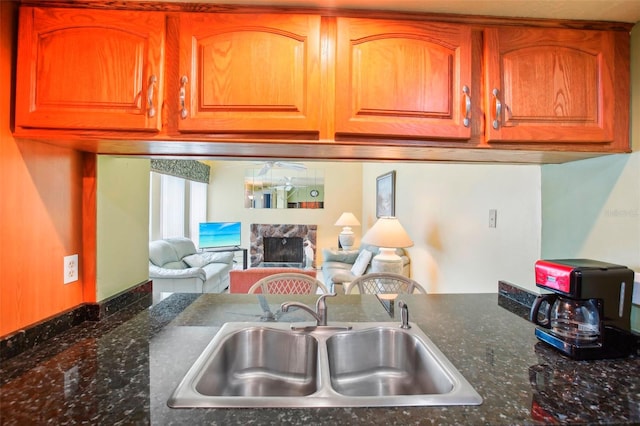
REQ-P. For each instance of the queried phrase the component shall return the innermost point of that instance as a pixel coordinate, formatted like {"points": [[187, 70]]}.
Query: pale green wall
{"points": [[303, 195], [591, 209], [123, 224]]}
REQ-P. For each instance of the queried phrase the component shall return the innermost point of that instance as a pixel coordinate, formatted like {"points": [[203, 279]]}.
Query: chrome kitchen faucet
{"points": [[320, 314]]}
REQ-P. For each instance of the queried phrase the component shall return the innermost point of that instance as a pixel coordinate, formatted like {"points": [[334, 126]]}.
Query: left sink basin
{"points": [[252, 362], [261, 362]]}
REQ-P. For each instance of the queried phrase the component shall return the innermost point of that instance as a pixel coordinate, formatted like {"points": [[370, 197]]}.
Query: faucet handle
{"points": [[321, 308], [325, 295], [321, 301]]}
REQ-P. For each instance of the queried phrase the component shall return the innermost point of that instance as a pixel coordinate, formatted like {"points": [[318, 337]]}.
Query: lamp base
{"points": [[387, 261], [346, 238]]}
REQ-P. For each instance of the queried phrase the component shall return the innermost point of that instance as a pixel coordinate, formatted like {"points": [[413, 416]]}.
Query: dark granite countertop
{"points": [[123, 369]]}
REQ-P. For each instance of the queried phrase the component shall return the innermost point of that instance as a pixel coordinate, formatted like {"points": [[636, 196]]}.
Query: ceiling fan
{"points": [[268, 165]]}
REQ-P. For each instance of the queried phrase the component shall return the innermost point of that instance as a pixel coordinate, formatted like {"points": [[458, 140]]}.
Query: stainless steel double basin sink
{"points": [[342, 365]]}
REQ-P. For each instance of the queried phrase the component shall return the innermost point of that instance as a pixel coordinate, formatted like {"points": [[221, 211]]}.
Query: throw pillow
{"points": [[221, 257], [199, 260], [194, 260], [340, 256], [361, 263]]}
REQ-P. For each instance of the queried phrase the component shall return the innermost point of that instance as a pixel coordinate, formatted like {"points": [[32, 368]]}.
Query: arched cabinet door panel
{"points": [[249, 74], [90, 69], [403, 79], [549, 85]]}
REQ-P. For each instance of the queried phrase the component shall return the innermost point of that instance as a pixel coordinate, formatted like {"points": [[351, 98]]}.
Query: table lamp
{"points": [[387, 234], [346, 237]]}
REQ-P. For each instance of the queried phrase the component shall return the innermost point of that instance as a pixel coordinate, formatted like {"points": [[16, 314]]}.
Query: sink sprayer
{"points": [[404, 315]]}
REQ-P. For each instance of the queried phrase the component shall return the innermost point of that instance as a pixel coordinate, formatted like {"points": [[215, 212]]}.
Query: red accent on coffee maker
{"points": [[554, 276]]}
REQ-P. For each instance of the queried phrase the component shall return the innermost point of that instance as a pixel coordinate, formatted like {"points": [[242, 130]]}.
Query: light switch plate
{"points": [[70, 268], [493, 217]]}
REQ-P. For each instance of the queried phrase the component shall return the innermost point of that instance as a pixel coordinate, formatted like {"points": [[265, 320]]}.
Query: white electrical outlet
{"points": [[70, 268], [493, 217]]}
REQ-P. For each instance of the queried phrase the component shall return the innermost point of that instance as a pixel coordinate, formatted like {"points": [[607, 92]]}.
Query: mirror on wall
{"points": [[284, 185]]}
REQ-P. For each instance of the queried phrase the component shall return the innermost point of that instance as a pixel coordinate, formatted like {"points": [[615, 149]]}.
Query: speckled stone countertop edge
{"points": [[137, 297]]}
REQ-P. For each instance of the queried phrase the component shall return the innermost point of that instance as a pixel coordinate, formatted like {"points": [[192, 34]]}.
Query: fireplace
{"points": [[283, 241], [283, 249]]}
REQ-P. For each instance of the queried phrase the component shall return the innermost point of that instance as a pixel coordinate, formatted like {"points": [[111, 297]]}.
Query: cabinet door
{"points": [[89, 69], [403, 79], [548, 85], [249, 73]]}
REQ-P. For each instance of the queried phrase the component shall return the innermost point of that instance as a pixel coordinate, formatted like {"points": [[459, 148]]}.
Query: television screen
{"points": [[219, 234]]}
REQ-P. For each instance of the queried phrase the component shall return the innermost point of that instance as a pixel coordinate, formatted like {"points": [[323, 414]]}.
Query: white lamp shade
{"points": [[387, 232], [347, 219]]}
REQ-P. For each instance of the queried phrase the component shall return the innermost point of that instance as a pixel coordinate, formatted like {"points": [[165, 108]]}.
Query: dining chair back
{"points": [[384, 282], [288, 283]]}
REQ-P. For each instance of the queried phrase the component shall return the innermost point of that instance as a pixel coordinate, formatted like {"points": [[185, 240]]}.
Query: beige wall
{"points": [[123, 224], [343, 192], [445, 210]]}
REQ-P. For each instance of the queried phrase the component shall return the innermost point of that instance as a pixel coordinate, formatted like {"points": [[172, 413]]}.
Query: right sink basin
{"points": [[384, 361]]}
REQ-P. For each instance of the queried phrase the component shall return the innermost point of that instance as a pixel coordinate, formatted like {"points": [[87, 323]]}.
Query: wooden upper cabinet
{"points": [[403, 79], [89, 69], [550, 85], [244, 73]]}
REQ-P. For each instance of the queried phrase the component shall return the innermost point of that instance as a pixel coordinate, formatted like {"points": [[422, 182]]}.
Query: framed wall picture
{"points": [[386, 194]]}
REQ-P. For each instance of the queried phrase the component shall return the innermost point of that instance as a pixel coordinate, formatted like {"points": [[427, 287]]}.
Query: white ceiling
{"points": [[594, 10]]}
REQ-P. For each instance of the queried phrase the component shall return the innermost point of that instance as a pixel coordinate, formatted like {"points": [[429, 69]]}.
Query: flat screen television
{"points": [[219, 234]]}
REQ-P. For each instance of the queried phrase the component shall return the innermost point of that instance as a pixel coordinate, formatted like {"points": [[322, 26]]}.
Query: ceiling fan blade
{"points": [[290, 165], [267, 166]]}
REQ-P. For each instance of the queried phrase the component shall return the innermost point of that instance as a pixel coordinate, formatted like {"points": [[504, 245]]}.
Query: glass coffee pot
{"points": [[574, 320]]}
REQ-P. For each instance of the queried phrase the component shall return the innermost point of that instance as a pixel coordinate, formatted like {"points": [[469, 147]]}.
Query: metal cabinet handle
{"points": [[183, 94], [467, 106], [151, 112], [498, 110]]}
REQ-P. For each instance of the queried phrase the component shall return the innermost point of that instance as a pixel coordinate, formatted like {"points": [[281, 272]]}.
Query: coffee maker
{"points": [[587, 315]]}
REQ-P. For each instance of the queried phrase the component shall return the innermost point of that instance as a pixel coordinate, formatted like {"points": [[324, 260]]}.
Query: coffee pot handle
{"points": [[533, 316]]}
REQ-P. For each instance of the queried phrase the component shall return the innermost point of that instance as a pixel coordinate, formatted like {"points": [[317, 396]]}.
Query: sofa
{"points": [[339, 267], [242, 280], [175, 266]]}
